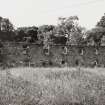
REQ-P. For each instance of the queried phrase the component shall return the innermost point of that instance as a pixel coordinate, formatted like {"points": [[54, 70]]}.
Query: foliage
{"points": [[101, 23], [7, 32], [20, 35], [69, 28], [23, 32], [45, 32], [6, 25], [95, 35]]}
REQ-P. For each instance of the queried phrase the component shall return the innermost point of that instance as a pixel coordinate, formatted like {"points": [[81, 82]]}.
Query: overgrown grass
{"points": [[52, 86]]}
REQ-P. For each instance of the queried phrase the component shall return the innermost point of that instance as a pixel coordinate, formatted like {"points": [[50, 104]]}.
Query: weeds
{"points": [[57, 86]]}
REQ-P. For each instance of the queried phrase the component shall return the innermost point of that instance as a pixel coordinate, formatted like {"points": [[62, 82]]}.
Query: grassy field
{"points": [[52, 86]]}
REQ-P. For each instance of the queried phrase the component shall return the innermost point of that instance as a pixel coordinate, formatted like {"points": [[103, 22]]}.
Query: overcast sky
{"points": [[39, 12]]}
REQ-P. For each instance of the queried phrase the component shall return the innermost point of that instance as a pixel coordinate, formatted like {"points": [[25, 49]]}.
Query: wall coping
{"points": [[71, 45]]}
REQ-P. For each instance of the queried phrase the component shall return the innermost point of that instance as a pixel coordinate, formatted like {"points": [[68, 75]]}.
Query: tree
{"points": [[7, 32], [45, 32], [0, 22], [95, 35], [20, 34], [33, 33], [23, 32], [101, 23], [7, 26], [69, 28]]}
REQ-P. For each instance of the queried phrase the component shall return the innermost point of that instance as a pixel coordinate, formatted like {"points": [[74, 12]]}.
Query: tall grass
{"points": [[57, 86]]}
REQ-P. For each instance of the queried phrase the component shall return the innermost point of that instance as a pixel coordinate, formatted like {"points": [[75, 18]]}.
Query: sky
{"points": [[40, 12]]}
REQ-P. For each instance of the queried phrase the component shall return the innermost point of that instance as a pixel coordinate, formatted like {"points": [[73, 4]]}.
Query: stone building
{"points": [[59, 55]]}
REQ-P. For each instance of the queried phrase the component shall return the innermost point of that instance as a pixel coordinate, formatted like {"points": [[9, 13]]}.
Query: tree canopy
{"points": [[67, 31], [96, 34]]}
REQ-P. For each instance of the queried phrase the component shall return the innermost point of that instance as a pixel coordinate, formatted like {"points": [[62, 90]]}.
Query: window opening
{"points": [[77, 62], [96, 52], [50, 63], [81, 51], [46, 50], [63, 63], [94, 63], [65, 50]]}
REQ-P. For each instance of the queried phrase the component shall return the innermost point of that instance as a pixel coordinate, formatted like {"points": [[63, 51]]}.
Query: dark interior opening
{"points": [[25, 46], [43, 63], [63, 62], [46, 51], [50, 63], [77, 62]]}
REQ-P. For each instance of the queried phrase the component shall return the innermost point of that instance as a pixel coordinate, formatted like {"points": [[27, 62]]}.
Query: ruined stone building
{"points": [[36, 55]]}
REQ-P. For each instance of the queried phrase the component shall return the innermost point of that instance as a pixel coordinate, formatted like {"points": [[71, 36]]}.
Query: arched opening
{"points": [[77, 62], [25, 46], [50, 63], [96, 51], [46, 50], [95, 63], [65, 50], [63, 63], [81, 51]]}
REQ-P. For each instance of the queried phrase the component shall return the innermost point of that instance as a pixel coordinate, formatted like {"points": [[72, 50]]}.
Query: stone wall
{"points": [[57, 55]]}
